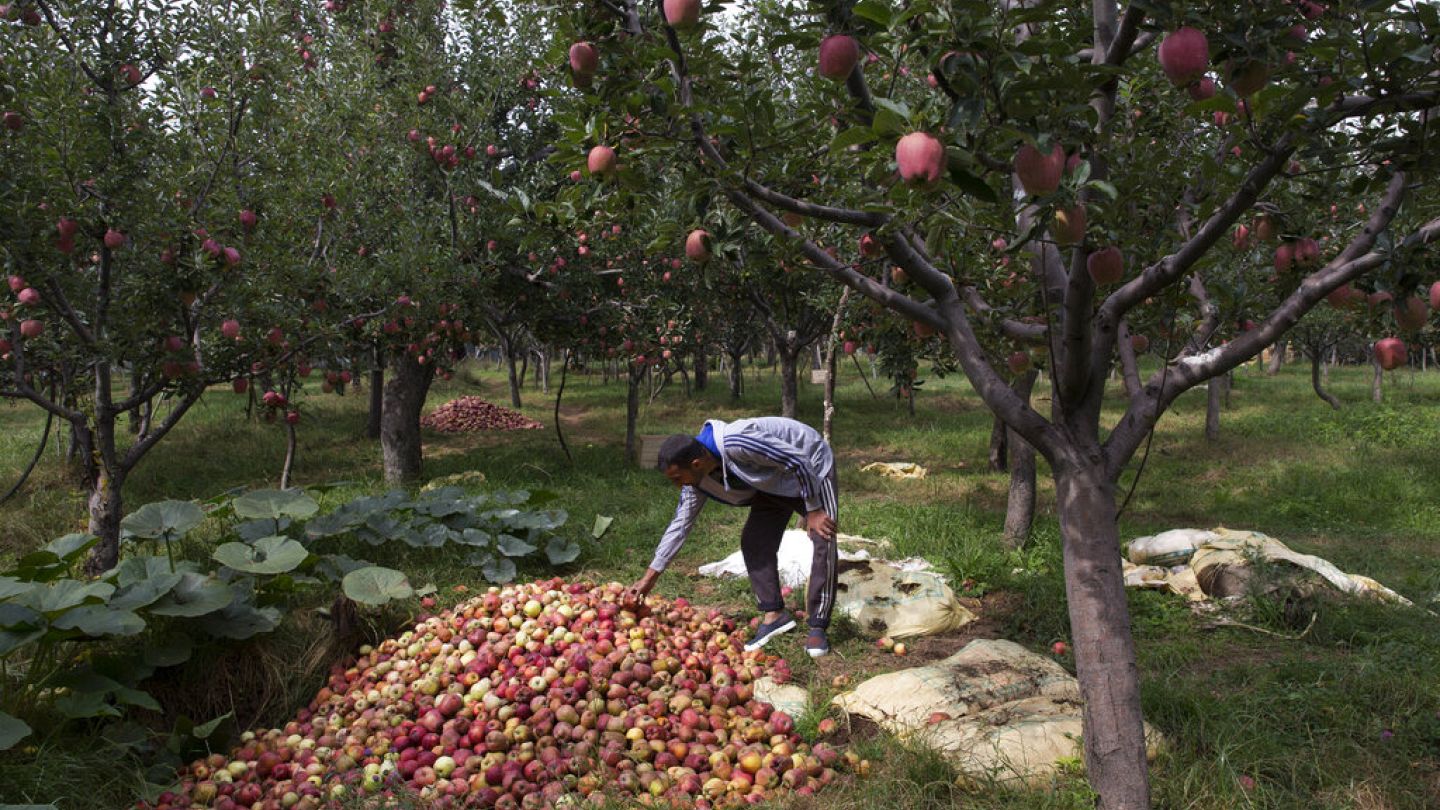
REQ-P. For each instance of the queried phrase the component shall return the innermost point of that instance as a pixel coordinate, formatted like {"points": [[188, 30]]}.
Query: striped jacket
{"points": [[770, 454]]}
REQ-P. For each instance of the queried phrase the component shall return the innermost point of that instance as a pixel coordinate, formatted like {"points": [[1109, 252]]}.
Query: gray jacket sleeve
{"points": [[691, 501], [775, 452]]}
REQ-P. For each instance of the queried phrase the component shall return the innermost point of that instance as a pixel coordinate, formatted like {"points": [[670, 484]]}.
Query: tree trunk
{"points": [[400, 419], [136, 383], [377, 400], [999, 433], [737, 376], [1316, 362], [290, 446], [789, 387], [1213, 391], [702, 367], [1109, 679], [1020, 509], [1377, 393], [514, 377], [632, 408], [106, 507], [1277, 358]]}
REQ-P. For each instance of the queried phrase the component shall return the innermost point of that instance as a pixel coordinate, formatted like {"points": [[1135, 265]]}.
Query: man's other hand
{"points": [[634, 595], [821, 524]]}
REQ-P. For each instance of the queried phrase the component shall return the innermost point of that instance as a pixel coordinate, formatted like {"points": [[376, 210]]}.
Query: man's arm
{"points": [[691, 501]]}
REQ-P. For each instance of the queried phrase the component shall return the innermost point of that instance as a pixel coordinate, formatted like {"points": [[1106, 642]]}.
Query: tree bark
{"points": [[1020, 509], [1277, 358], [1377, 392], [998, 454], [514, 376], [789, 389], [377, 399], [1212, 408], [1100, 625], [1316, 362], [632, 407], [291, 443], [702, 367], [400, 420], [106, 507], [737, 376]]}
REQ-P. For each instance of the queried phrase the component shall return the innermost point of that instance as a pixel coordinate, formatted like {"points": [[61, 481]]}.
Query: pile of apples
{"points": [[473, 413], [534, 696]]}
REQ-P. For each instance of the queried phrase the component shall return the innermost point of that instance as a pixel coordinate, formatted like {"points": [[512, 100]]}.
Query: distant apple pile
{"points": [[473, 413], [541, 695]]}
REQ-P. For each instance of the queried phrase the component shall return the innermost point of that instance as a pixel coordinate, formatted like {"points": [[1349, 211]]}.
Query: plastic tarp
{"points": [[896, 469], [994, 709], [1222, 565]]}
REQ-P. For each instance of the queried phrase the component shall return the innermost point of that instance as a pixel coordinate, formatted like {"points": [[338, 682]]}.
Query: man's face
{"points": [[687, 475]]}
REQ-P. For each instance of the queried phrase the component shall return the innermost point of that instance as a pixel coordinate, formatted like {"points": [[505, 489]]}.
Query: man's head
{"points": [[684, 460]]}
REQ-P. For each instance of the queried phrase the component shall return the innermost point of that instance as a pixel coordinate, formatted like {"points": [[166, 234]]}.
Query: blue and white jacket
{"points": [[771, 454]]}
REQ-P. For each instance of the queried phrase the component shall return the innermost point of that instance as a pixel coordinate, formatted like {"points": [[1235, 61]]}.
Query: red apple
{"points": [[1106, 265], [697, 246], [14, 121], [1039, 173], [920, 157], [232, 256], [67, 227], [1435, 295], [1265, 228], [17, 283], [601, 160], [207, 92], [240, 385], [230, 329], [838, 56], [1411, 314], [114, 239], [849, 347], [130, 73], [1202, 89], [248, 219], [682, 14], [1284, 256], [1060, 648], [584, 59], [28, 297], [1019, 362], [31, 328], [1390, 353], [1184, 55], [1343, 297], [1140, 343], [1241, 238], [870, 247]]}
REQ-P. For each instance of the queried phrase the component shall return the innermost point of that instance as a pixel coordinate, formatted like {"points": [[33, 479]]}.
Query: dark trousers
{"points": [[760, 542]]}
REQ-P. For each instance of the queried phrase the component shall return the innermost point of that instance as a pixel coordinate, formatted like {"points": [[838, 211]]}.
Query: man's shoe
{"points": [[817, 644], [765, 632]]}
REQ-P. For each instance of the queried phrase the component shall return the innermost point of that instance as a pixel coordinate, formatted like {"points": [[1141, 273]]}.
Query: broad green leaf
{"points": [[137, 697], [13, 616], [973, 185], [54, 597], [876, 11], [269, 555], [70, 547], [100, 620], [602, 525], [334, 567], [498, 569], [162, 519], [252, 530], [473, 537], [10, 586], [40, 566], [204, 730], [145, 592], [274, 504], [241, 620], [11, 640], [194, 595], [512, 546], [851, 137], [561, 550], [77, 705], [132, 570], [375, 585], [168, 651], [12, 730]]}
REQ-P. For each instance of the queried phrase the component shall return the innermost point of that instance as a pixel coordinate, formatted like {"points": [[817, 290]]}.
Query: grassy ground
{"points": [[1347, 716]]}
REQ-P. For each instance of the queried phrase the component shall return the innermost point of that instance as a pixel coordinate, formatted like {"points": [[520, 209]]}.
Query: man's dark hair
{"points": [[679, 450]]}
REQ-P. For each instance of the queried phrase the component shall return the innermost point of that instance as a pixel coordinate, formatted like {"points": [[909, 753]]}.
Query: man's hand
{"points": [[634, 595], [819, 523]]}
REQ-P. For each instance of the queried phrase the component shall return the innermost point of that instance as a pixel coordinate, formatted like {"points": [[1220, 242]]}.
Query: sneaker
{"points": [[817, 644], [765, 632]]}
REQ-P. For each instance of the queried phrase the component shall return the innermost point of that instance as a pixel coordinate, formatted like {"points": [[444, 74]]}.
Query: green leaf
{"points": [[561, 550], [499, 570], [54, 597], [70, 547], [602, 525], [269, 555], [40, 566], [170, 519], [851, 137], [194, 595], [10, 586], [133, 570], [972, 185], [274, 504], [12, 730], [204, 730], [241, 620], [137, 697], [77, 705], [473, 537], [888, 122], [100, 620], [145, 592], [512, 546], [876, 11], [376, 585], [252, 530], [168, 651], [334, 567]]}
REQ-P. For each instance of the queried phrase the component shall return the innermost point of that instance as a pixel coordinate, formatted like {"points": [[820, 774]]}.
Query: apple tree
{"points": [[1066, 131]]}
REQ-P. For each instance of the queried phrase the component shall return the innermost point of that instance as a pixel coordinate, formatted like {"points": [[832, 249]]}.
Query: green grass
{"points": [[1301, 717]]}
